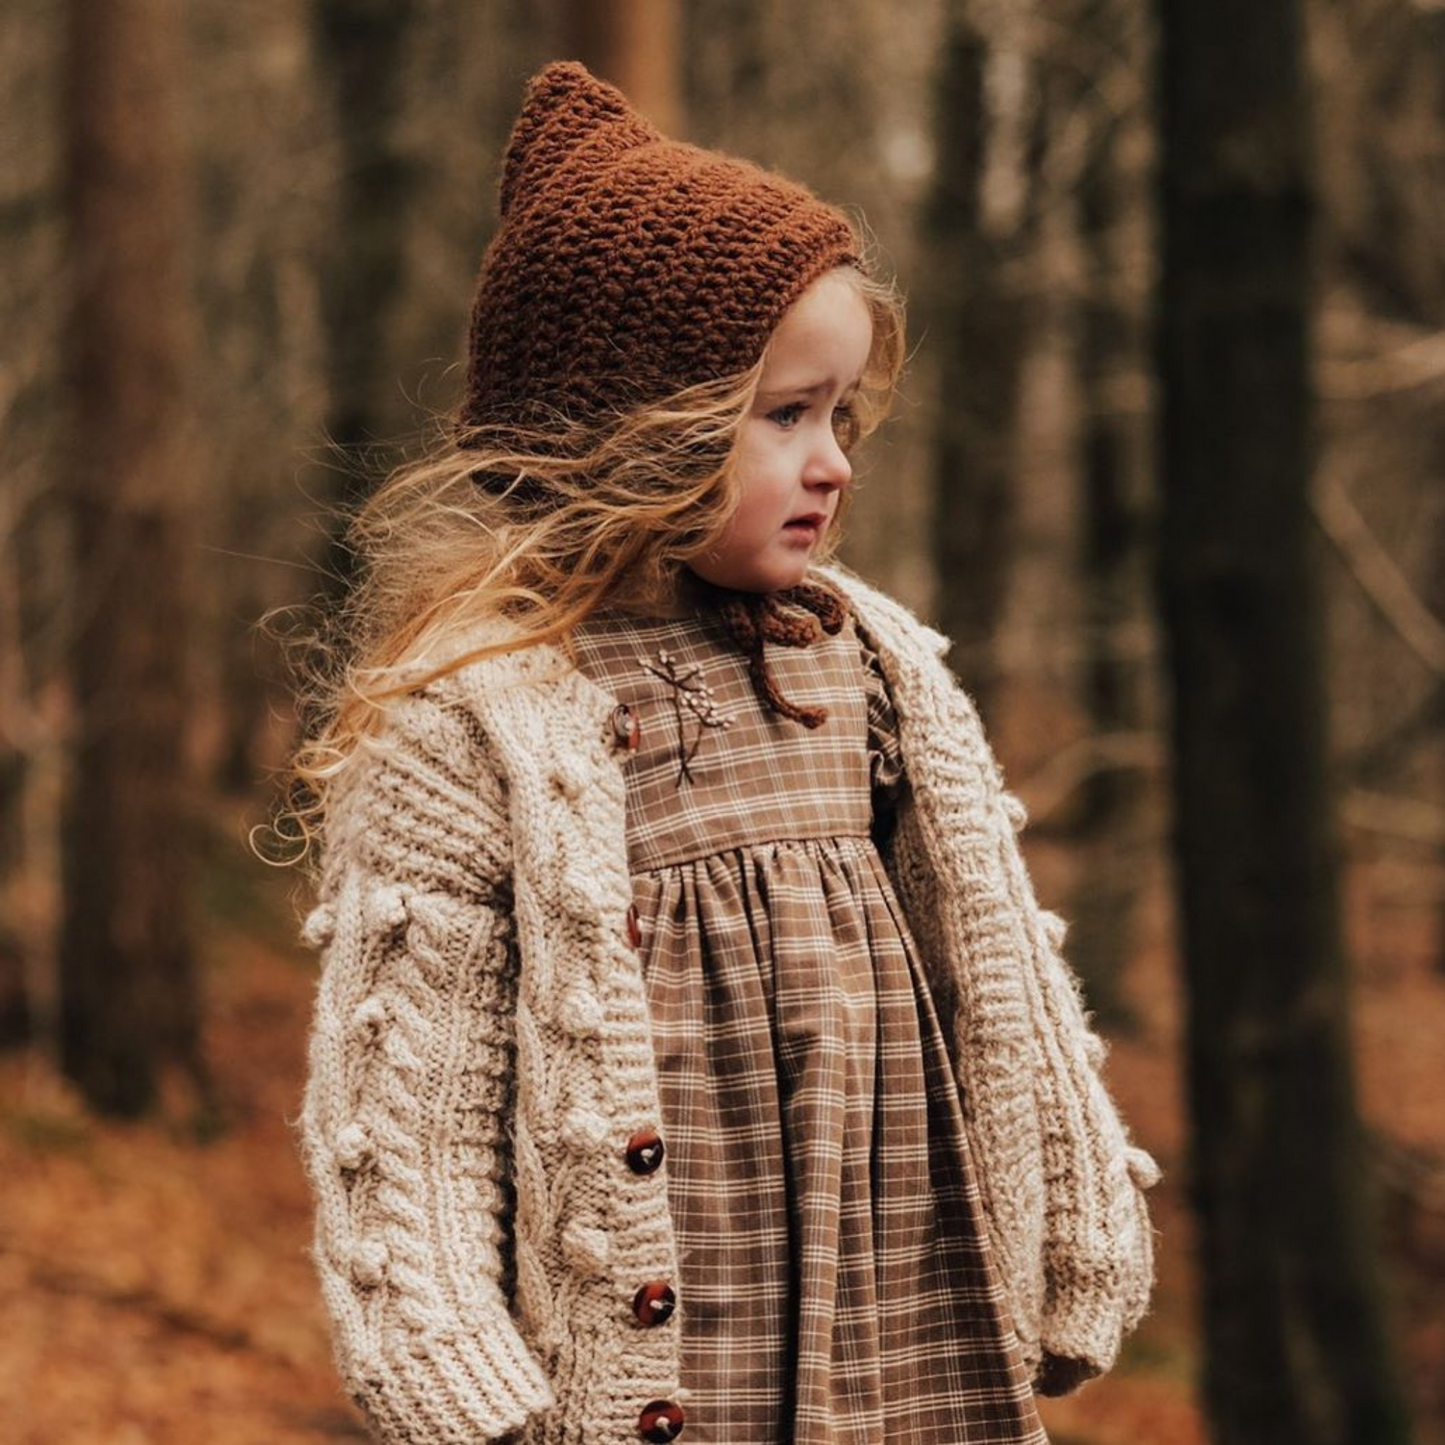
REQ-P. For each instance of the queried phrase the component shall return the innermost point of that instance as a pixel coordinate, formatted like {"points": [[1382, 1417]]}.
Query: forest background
{"points": [[308, 187]]}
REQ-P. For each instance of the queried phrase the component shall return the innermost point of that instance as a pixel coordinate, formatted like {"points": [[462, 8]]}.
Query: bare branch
{"points": [[1409, 819], [1047, 788], [1379, 578]]}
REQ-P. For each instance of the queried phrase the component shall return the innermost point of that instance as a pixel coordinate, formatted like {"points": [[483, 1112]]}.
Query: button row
{"points": [[661, 1420], [654, 1303], [645, 1151], [626, 730]]}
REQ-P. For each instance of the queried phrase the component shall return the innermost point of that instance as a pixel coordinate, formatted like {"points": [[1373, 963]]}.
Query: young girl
{"points": [[690, 1051]]}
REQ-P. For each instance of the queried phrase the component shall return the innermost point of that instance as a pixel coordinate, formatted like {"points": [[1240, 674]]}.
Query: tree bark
{"points": [[634, 45], [981, 337], [1295, 1344], [1114, 517], [361, 50], [129, 1012]]}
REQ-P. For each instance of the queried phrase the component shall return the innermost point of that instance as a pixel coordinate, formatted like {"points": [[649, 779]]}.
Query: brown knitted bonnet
{"points": [[627, 266]]}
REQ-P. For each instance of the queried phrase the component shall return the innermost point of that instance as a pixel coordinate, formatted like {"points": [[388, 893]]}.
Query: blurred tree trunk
{"points": [[129, 1013], [16, 1006], [1295, 1345], [1437, 772], [361, 52], [633, 44], [979, 342], [1113, 524]]}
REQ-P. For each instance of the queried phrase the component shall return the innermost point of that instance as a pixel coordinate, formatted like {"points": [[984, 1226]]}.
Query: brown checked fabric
{"points": [[835, 1284]]}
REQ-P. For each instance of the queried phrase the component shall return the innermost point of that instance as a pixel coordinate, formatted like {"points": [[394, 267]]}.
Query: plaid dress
{"points": [[835, 1281]]}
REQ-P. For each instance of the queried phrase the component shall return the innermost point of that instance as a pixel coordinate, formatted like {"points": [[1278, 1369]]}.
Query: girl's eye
{"points": [[787, 416], [845, 425]]}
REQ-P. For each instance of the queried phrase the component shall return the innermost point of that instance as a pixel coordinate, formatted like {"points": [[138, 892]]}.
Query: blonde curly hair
{"points": [[539, 528]]}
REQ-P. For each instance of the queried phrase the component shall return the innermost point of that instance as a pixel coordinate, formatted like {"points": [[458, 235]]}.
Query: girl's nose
{"points": [[829, 465]]}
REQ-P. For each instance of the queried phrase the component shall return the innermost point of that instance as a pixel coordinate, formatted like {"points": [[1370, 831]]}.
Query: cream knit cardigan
{"points": [[480, 1057]]}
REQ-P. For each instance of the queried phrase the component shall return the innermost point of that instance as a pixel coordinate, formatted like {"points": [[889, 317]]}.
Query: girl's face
{"points": [[790, 464]]}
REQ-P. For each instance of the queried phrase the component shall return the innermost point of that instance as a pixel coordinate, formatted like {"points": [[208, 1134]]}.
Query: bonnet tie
{"points": [[794, 617]]}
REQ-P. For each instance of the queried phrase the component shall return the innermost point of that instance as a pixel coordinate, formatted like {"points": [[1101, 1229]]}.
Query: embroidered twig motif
{"points": [[691, 698]]}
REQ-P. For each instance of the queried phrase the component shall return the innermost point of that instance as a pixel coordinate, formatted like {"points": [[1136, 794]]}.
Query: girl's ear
{"points": [[566, 107]]}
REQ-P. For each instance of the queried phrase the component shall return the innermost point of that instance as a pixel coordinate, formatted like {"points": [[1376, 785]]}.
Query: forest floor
{"points": [[156, 1289]]}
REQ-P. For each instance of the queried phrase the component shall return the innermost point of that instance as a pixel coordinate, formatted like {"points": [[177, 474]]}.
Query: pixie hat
{"points": [[627, 266]]}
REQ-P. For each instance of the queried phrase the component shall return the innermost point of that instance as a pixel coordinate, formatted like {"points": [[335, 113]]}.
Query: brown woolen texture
{"points": [[628, 267]]}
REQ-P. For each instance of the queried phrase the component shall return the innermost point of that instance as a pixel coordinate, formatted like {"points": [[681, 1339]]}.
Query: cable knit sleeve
{"points": [[1062, 1183], [1098, 1243], [404, 1124]]}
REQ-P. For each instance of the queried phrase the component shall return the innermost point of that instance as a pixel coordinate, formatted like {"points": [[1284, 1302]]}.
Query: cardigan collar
{"points": [[544, 665]]}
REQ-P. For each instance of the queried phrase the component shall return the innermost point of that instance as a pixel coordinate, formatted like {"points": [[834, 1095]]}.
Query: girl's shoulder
{"points": [[889, 627], [492, 683], [510, 692], [491, 659], [942, 727], [471, 695]]}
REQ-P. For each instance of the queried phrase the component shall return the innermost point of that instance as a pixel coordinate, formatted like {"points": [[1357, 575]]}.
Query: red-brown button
{"points": [[660, 1420], [634, 926], [625, 728], [645, 1151], [654, 1303]]}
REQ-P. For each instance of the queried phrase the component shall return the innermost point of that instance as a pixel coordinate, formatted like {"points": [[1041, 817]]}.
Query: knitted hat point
{"points": [[563, 100]]}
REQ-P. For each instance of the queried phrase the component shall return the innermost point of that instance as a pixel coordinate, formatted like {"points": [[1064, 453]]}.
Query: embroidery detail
{"points": [[691, 698]]}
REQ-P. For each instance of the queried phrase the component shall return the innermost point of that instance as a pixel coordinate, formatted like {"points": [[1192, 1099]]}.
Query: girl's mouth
{"points": [[810, 527]]}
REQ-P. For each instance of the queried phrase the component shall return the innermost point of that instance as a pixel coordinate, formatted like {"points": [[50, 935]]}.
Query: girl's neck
{"points": [[688, 596], [684, 599]]}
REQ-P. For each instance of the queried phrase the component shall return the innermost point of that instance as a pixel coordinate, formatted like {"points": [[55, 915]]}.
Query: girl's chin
{"points": [[776, 578]]}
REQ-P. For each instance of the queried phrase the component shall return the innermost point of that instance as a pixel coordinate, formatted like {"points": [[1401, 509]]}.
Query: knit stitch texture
{"points": [[481, 1055], [628, 267]]}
